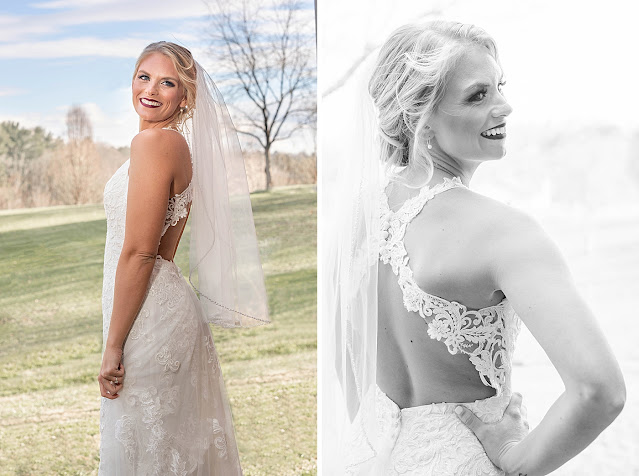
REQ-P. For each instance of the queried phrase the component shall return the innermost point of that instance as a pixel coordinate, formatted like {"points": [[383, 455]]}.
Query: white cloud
{"points": [[51, 121], [12, 92], [116, 127], [272, 18], [75, 12], [301, 141], [67, 3], [73, 47], [125, 10], [14, 28]]}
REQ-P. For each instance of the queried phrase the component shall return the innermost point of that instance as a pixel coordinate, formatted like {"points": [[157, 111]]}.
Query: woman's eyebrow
{"points": [[482, 84], [476, 85], [141, 71]]}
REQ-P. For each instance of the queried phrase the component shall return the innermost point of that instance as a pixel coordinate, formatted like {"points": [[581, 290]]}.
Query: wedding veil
{"points": [[351, 190], [225, 267]]}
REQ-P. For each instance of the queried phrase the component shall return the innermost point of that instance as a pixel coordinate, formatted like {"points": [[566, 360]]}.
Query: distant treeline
{"points": [[38, 169], [286, 169]]}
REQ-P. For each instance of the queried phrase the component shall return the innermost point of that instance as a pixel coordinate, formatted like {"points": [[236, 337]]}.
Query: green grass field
{"points": [[51, 337]]}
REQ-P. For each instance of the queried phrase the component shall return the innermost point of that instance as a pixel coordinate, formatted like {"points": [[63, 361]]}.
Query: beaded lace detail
{"points": [[178, 207], [486, 335]]}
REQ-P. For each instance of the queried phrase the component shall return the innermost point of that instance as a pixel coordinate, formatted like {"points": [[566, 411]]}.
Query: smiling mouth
{"points": [[150, 102], [496, 133]]}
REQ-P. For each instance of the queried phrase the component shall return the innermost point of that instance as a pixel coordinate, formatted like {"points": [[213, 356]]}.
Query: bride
{"points": [[164, 408], [430, 280]]}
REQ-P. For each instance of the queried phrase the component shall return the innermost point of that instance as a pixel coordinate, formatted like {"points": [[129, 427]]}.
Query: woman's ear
{"points": [[429, 133], [183, 102]]}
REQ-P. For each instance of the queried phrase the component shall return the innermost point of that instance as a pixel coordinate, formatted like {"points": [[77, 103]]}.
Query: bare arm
{"points": [[532, 274], [150, 177]]}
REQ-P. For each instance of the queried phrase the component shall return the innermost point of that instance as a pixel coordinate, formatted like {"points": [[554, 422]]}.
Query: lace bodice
{"points": [[178, 207], [115, 201], [486, 335]]}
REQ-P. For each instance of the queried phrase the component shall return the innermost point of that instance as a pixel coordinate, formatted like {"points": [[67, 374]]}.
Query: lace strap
{"points": [[178, 207], [393, 224], [411, 207], [426, 194]]}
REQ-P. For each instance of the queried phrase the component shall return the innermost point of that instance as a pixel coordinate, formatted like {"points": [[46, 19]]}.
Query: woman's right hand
{"points": [[111, 375], [500, 438]]}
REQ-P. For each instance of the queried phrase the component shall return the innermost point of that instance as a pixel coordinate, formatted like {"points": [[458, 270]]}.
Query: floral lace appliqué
{"points": [[124, 432], [178, 207], [486, 335], [219, 438]]}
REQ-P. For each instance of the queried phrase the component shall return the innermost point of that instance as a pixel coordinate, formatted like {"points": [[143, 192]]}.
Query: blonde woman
{"points": [[164, 408], [434, 279]]}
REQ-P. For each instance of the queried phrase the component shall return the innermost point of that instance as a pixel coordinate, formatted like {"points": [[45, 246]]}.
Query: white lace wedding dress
{"points": [[430, 439], [172, 416]]}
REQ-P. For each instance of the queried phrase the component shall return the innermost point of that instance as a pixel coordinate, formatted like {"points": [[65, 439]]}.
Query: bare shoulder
{"points": [[491, 214], [162, 147], [511, 238], [479, 214], [502, 233]]}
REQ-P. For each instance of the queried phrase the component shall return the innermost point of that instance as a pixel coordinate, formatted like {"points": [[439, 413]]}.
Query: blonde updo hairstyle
{"points": [[409, 81], [184, 64]]}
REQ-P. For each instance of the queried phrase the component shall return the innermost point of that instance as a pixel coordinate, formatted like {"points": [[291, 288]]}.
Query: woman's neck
{"points": [[447, 167], [154, 125]]}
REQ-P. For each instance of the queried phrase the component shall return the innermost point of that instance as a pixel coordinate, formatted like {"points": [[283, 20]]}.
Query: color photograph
{"points": [[158, 238]]}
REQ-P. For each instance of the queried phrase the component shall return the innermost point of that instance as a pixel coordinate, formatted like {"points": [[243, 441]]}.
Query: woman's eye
{"points": [[478, 96], [143, 77], [169, 84]]}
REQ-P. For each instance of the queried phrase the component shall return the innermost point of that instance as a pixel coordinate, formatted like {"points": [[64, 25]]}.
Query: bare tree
{"points": [[74, 171], [79, 126], [265, 54]]}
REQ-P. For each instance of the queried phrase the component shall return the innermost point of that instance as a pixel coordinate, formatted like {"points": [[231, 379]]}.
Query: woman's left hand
{"points": [[111, 375], [500, 438]]}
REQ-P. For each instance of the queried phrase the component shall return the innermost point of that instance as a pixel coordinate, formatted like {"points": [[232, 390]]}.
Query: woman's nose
{"points": [[502, 108]]}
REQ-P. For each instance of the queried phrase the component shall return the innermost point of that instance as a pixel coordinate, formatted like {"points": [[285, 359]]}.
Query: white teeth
{"points": [[495, 131], [148, 102]]}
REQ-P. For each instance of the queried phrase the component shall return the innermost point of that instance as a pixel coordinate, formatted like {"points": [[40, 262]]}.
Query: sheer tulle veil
{"points": [[348, 285], [225, 267]]}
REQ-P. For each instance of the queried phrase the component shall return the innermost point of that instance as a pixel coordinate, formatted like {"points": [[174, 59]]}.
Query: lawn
{"points": [[51, 337]]}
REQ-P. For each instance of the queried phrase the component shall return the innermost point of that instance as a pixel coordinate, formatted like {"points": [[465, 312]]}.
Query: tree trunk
{"points": [[267, 166]]}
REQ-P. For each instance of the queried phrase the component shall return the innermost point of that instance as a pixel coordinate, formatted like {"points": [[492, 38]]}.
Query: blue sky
{"points": [[56, 53]]}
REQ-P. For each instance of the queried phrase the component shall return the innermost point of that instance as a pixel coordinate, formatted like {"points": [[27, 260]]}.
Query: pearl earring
{"points": [[428, 144]]}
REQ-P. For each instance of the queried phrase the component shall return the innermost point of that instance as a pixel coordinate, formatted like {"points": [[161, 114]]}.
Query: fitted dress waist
{"points": [[431, 440]]}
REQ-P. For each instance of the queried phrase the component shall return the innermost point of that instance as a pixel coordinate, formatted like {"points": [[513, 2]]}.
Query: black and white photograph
{"points": [[479, 238]]}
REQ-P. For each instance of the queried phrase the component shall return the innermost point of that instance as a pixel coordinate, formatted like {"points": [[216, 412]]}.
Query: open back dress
{"points": [[172, 416], [430, 439]]}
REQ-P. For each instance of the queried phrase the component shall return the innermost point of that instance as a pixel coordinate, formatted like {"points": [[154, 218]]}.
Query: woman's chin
{"points": [[496, 153], [151, 118], [149, 114]]}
